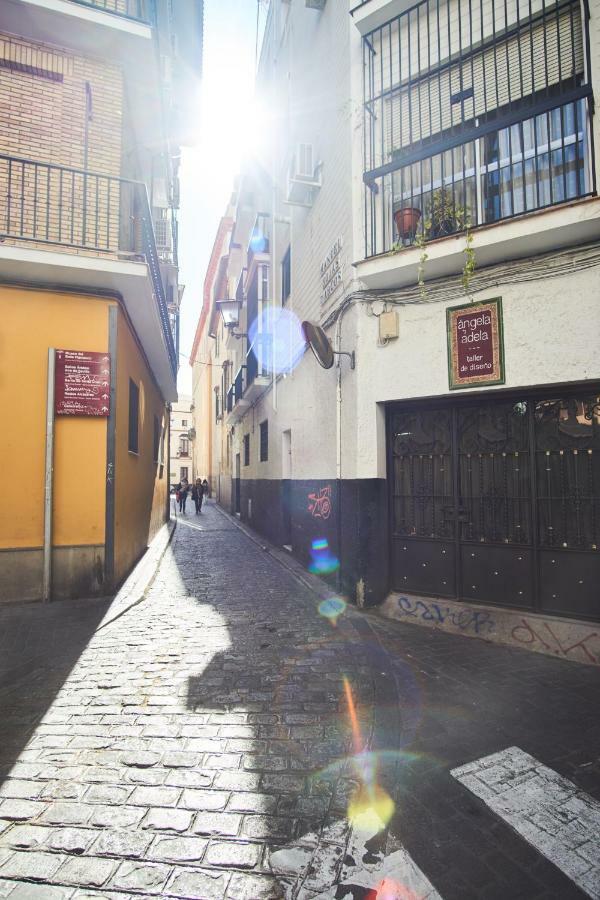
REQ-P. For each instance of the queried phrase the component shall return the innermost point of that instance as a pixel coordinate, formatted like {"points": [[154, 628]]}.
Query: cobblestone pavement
{"points": [[175, 751]]}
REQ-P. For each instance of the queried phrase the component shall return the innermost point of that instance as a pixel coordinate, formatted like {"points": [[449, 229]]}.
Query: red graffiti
{"points": [[527, 634], [319, 505]]}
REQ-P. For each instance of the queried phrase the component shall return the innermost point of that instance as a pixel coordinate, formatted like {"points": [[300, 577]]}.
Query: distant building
{"points": [[182, 435], [95, 100]]}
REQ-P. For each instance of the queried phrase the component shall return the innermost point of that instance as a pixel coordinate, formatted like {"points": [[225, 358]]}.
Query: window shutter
{"points": [[421, 53]]}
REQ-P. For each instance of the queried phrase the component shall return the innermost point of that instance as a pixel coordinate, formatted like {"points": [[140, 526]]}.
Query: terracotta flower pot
{"points": [[407, 220]]}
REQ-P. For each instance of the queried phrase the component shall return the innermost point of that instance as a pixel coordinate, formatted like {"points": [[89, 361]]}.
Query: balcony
{"points": [[137, 10], [258, 367], [260, 239], [488, 123], [61, 225], [237, 403]]}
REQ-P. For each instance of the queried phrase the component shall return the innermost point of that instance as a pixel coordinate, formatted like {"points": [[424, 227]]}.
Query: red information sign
{"points": [[82, 383], [475, 348]]}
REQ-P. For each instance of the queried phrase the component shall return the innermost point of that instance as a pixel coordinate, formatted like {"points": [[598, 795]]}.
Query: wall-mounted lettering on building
{"points": [[82, 383], [332, 271], [475, 344]]}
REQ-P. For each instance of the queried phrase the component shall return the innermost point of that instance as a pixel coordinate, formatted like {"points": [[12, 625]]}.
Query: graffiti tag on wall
{"points": [[476, 620], [540, 635], [319, 505]]}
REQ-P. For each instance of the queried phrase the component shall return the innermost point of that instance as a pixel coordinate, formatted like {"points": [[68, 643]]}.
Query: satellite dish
{"points": [[319, 343]]}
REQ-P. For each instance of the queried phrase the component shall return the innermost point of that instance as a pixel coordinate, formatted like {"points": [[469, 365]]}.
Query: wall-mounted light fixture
{"points": [[230, 313]]}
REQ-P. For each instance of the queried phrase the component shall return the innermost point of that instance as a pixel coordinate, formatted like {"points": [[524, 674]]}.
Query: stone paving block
{"points": [[237, 781], [86, 871], [217, 823], [232, 854], [63, 790], [223, 761], [6, 887], [178, 849], [149, 878], [30, 891], [32, 864], [204, 800], [283, 783], [121, 843], [148, 777], [71, 840], [108, 793], [254, 887], [205, 745], [116, 816], [17, 788], [194, 884], [140, 759], [189, 778], [59, 813], [179, 759], [267, 827], [26, 837], [168, 819], [20, 810], [155, 796], [246, 801], [261, 763]]}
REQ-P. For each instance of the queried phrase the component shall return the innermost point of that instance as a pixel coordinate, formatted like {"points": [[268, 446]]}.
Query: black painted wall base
{"points": [[323, 522]]}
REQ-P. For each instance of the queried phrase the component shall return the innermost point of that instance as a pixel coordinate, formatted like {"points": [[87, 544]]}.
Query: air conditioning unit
{"points": [[302, 178], [162, 233]]}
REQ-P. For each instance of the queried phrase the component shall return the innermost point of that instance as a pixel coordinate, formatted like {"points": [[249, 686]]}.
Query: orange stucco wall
{"points": [[140, 482], [31, 321]]}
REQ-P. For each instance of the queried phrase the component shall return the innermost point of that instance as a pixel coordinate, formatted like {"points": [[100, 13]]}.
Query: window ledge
{"points": [[522, 236]]}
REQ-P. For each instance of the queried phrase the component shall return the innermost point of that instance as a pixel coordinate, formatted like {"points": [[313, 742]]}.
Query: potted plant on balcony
{"points": [[407, 220], [446, 216]]}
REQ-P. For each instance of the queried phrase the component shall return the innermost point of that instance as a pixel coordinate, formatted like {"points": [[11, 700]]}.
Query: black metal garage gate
{"points": [[497, 500]]}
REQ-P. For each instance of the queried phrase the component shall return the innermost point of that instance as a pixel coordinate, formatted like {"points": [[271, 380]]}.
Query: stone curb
{"points": [[136, 587]]}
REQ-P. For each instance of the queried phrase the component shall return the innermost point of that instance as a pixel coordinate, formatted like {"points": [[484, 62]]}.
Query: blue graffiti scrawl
{"points": [[475, 620]]}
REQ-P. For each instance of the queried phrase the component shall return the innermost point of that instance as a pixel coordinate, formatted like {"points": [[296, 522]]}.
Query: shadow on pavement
{"points": [[39, 646]]}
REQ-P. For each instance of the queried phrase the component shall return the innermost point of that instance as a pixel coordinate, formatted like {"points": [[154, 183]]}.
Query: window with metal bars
{"points": [[134, 417], [264, 441], [485, 101], [246, 449]]}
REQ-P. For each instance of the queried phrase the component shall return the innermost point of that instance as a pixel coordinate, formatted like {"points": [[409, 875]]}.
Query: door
{"points": [[237, 505], [497, 500]]}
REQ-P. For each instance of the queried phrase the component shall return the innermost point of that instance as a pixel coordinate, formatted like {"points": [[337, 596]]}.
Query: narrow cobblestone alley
{"points": [[200, 746]]}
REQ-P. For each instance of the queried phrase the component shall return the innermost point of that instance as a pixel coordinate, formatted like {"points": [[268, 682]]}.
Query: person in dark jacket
{"points": [[183, 490], [197, 495], [206, 487]]}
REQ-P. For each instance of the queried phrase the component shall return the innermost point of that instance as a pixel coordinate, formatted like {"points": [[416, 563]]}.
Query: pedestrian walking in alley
{"points": [[197, 495], [206, 488], [183, 490]]}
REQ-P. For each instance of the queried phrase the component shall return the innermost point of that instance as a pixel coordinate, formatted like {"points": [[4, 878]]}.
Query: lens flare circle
{"points": [[277, 340], [332, 608], [370, 808]]}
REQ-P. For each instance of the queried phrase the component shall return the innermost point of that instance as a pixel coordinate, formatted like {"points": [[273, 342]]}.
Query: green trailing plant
{"points": [[446, 216], [421, 243], [470, 260]]}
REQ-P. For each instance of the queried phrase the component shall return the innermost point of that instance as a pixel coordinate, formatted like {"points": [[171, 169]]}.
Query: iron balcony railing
{"points": [[260, 237], [239, 384], [258, 358], [61, 206], [476, 106], [138, 10]]}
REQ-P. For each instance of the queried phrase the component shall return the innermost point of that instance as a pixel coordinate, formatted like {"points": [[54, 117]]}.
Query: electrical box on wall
{"points": [[388, 325]]}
